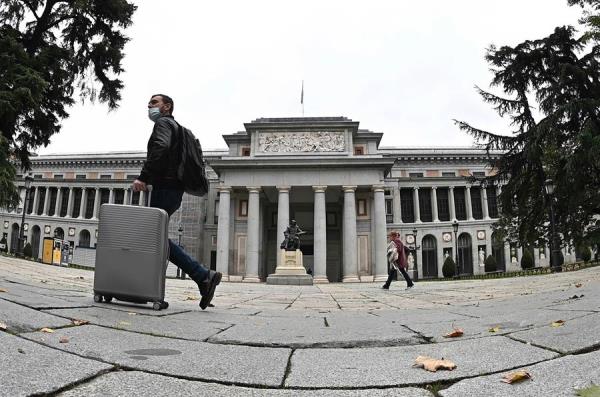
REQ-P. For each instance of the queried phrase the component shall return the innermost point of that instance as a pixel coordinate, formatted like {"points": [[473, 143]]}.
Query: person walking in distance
{"points": [[397, 261], [160, 171]]}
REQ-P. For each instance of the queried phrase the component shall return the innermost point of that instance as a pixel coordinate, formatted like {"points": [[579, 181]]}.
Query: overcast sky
{"points": [[404, 68]]}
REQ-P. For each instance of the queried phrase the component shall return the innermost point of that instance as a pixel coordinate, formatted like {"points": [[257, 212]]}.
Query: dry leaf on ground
{"points": [[455, 333], [433, 364], [494, 329], [3, 290], [132, 313], [43, 281], [558, 323], [578, 285], [80, 322], [191, 298], [47, 330], [124, 323], [63, 339], [3, 326], [517, 376]]}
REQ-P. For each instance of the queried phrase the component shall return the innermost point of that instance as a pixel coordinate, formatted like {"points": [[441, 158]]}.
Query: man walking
{"points": [[397, 261], [160, 171]]}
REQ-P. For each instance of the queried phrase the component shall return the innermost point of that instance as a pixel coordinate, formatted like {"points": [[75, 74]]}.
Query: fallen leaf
{"points": [[558, 323], [47, 330], [63, 339], [515, 377], [592, 391], [123, 323], [455, 333], [494, 329], [3, 326], [191, 298], [132, 313], [432, 364], [578, 285], [44, 281], [80, 322], [21, 351], [3, 290]]}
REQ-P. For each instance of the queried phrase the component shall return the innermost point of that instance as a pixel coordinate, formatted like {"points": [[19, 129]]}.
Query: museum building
{"points": [[343, 189]]}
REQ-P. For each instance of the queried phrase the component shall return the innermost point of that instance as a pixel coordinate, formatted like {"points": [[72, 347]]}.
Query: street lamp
{"points": [[554, 259], [416, 269], [180, 273], [455, 229], [21, 245]]}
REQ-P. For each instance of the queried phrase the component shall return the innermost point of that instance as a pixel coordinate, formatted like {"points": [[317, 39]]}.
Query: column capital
{"points": [[416, 187], [283, 188], [378, 188], [349, 188], [319, 188], [451, 187], [253, 189], [222, 188], [434, 188]]}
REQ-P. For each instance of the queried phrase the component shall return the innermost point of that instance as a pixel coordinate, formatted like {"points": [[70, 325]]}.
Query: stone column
{"points": [[507, 258], [320, 235], [223, 231], [111, 196], [350, 250], [58, 201], [380, 236], [468, 203], [22, 195], [397, 206], [36, 199], [252, 240], [126, 196], [82, 205], [484, 203], [283, 216], [70, 203], [416, 204], [434, 207], [46, 202], [96, 203], [141, 198], [451, 206]]}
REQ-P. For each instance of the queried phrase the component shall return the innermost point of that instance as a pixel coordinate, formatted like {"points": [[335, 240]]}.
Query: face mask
{"points": [[154, 114]]}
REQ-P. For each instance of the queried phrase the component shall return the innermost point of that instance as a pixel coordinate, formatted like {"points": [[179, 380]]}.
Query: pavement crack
{"points": [[426, 339], [325, 321], [288, 369], [77, 383], [207, 340]]}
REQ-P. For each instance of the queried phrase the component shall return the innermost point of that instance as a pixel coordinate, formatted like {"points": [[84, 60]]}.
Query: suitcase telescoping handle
{"points": [[148, 190]]}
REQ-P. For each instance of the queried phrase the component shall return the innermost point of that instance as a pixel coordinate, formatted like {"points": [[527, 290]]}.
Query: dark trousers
{"points": [[170, 200], [393, 274]]}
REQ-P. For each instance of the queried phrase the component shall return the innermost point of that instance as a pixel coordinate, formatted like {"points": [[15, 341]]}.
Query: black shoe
{"points": [[386, 287], [207, 288]]}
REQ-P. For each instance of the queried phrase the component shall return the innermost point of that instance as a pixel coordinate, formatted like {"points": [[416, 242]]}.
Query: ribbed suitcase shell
{"points": [[132, 253]]}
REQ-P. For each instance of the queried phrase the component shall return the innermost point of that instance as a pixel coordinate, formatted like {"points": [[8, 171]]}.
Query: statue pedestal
{"points": [[291, 270]]}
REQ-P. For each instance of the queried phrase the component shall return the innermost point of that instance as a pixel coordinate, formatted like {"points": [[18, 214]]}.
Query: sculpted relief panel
{"points": [[306, 141]]}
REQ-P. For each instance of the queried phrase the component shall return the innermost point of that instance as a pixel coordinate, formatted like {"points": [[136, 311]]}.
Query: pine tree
{"points": [[552, 97], [51, 50]]}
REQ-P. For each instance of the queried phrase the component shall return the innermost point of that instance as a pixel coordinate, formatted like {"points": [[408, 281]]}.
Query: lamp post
{"points": [[416, 269], [180, 274], [21, 245], [455, 229], [554, 259]]}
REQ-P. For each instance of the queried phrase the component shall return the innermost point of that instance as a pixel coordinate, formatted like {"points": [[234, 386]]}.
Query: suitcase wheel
{"points": [[165, 305], [160, 305], [108, 298], [97, 298]]}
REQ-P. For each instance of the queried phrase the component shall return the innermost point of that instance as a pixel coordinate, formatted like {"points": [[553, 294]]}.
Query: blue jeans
{"points": [[170, 200]]}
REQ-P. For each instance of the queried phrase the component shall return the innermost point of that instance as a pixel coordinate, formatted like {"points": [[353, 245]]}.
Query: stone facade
{"points": [[326, 173]]}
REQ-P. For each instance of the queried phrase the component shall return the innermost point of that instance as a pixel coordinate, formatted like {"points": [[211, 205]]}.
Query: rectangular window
{"points": [[37, 176], [407, 206], [460, 205], [389, 211], [361, 207], [425, 205], [443, 206], [243, 208], [132, 176], [479, 174], [245, 152], [80, 176], [359, 150], [476, 203], [415, 174], [492, 202], [105, 176], [449, 174], [58, 176]]}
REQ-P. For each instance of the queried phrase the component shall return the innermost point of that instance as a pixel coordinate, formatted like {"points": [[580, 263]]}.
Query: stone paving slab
{"points": [[20, 318], [324, 331], [43, 297], [140, 384], [392, 366], [582, 333], [198, 360], [556, 378], [191, 327], [27, 367]]}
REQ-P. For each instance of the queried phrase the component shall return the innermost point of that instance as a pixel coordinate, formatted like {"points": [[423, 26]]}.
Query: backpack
{"points": [[191, 171]]}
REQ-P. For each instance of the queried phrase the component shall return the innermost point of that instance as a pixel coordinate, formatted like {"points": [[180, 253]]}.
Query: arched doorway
{"points": [[35, 241], [430, 266], [465, 254], [59, 233], [498, 252], [14, 238], [84, 238]]}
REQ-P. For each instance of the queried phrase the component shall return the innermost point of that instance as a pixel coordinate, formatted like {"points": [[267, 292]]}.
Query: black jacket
{"points": [[162, 158]]}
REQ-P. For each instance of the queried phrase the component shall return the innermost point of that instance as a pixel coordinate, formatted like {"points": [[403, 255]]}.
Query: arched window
{"points": [[465, 254], [498, 251], [59, 233], [84, 238], [14, 238], [430, 267]]}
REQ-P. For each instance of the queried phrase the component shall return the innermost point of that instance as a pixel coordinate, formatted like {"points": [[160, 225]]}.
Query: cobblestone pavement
{"points": [[324, 340]]}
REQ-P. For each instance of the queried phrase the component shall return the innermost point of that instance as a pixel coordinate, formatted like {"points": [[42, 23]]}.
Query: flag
{"points": [[302, 94]]}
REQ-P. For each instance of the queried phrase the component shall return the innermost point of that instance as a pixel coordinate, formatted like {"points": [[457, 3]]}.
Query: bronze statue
{"points": [[291, 242]]}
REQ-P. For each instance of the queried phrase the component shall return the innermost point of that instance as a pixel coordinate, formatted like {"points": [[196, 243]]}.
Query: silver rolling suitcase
{"points": [[132, 254]]}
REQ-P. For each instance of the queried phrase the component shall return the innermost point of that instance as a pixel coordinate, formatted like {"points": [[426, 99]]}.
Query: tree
{"points": [[560, 140], [51, 50], [449, 268], [527, 259], [490, 264], [590, 18]]}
